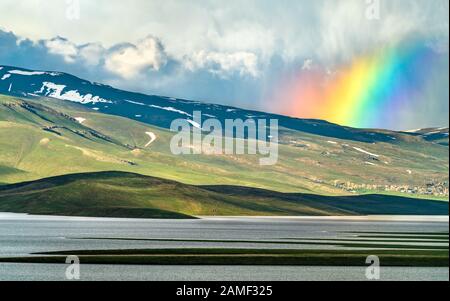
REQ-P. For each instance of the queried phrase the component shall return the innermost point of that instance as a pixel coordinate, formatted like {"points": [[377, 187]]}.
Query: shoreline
{"points": [[358, 218], [381, 218]]}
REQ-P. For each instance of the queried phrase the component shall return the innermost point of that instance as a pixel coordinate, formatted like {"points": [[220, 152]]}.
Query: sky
{"points": [[296, 57]]}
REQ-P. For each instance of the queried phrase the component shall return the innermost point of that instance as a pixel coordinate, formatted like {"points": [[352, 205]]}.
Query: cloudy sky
{"points": [[236, 53]]}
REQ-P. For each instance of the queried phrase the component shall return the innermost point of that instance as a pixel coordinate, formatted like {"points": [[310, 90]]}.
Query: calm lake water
{"points": [[21, 235], [55, 272]]}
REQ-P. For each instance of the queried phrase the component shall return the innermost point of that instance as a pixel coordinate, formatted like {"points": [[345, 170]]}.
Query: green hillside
{"points": [[120, 194], [45, 137]]}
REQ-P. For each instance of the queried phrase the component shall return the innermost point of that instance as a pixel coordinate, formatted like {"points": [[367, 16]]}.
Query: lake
{"points": [[21, 235]]}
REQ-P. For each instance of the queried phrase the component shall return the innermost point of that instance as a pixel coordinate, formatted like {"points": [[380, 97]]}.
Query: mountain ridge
{"points": [[159, 110]]}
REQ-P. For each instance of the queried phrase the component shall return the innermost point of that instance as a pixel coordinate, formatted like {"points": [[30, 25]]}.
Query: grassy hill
{"points": [[118, 194], [46, 137]]}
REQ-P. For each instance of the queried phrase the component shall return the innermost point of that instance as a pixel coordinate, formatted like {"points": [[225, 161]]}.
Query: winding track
{"points": [[152, 138]]}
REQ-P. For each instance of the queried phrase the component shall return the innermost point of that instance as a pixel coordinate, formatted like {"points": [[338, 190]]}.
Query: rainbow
{"points": [[371, 91]]}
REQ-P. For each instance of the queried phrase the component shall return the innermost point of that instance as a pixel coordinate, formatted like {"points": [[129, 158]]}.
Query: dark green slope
{"points": [[118, 194], [370, 204]]}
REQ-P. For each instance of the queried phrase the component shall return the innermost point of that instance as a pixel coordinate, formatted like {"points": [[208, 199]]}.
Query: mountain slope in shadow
{"points": [[119, 194]]}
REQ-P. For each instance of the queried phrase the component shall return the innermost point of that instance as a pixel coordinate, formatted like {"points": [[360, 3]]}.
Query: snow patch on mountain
{"points": [[152, 138], [31, 73], [80, 119], [209, 115], [135, 102], [194, 124], [51, 89], [413, 131], [75, 96], [56, 91], [432, 133], [365, 152], [171, 109]]}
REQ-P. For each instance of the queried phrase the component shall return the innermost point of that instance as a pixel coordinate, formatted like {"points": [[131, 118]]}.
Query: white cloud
{"points": [[129, 60], [63, 47], [224, 64], [92, 54], [293, 29]]}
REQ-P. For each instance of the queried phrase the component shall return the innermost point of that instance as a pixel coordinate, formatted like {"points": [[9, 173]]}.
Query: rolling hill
{"points": [[118, 194]]}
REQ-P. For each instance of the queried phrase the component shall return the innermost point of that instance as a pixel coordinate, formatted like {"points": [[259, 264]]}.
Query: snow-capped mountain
{"points": [[437, 135], [155, 110]]}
